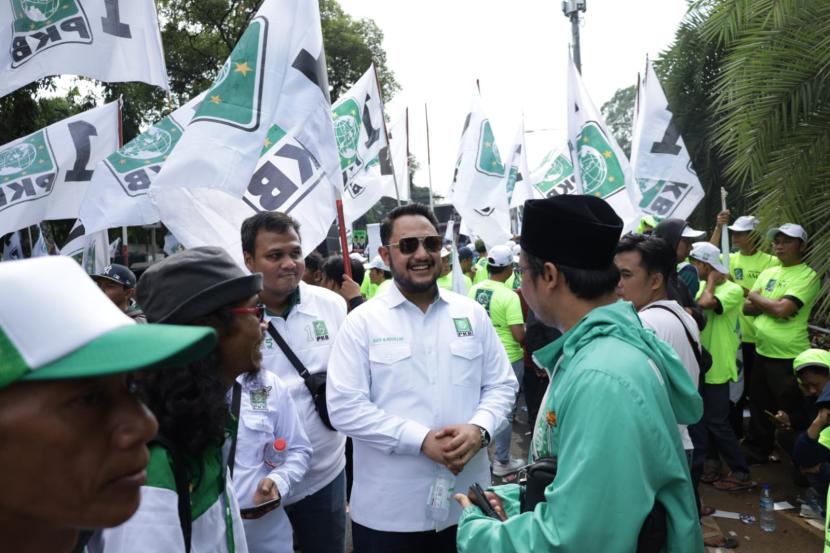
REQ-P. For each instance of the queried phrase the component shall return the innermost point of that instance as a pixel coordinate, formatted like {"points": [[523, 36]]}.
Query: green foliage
{"points": [[768, 113], [619, 113]]}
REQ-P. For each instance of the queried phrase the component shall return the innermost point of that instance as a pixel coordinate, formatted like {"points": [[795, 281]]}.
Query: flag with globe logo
{"points": [[359, 130], [262, 139], [555, 175], [92, 38], [601, 168], [117, 194], [478, 190], [517, 177], [44, 175], [389, 170]]}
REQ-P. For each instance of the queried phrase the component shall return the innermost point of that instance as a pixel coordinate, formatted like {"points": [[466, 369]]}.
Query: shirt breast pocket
{"points": [[466, 363], [390, 367], [258, 431]]}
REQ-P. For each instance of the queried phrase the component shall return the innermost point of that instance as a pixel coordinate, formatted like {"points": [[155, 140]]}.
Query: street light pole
{"points": [[571, 9]]}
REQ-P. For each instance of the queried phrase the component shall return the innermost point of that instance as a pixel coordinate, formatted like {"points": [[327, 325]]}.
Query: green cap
{"points": [[812, 357]]}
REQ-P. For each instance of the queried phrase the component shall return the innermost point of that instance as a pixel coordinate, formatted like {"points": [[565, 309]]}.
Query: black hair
{"points": [[314, 261], [269, 221], [656, 256], [584, 283], [333, 269], [818, 370], [494, 270], [408, 209]]}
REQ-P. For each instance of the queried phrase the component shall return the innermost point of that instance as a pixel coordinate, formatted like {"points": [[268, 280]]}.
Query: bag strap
{"points": [[235, 403], [695, 345], [289, 353], [182, 488]]}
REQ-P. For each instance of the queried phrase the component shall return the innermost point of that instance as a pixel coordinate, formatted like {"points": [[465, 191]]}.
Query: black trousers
{"points": [[367, 540], [773, 387]]}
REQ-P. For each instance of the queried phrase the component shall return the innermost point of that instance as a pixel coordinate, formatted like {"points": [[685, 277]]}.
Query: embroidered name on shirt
{"points": [[259, 398], [387, 339], [463, 327]]}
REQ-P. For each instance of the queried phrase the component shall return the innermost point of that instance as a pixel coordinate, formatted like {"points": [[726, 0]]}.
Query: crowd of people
{"points": [[208, 408]]}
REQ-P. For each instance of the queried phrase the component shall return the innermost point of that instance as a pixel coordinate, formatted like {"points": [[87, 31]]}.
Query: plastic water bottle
{"points": [[274, 453], [440, 495], [767, 510]]}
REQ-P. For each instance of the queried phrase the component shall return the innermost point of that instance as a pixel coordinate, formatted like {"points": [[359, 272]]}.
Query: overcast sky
{"points": [[518, 50]]}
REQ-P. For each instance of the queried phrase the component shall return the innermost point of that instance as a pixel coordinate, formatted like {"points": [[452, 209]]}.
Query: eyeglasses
{"points": [[409, 245], [258, 311]]}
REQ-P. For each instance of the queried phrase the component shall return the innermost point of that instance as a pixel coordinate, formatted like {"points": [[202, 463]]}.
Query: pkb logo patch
{"points": [[27, 170], [463, 327], [41, 24], [321, 333]]}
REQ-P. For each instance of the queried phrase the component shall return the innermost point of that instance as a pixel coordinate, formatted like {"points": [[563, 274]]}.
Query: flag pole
{"points": [[429, 161], [408, 184], [125, 251], [724, 234], [341, 223], [386, 133], [31, 242]]}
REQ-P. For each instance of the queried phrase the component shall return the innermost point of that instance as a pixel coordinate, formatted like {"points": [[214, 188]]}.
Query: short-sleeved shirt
{"points": [[744, 270], [720, 336], [367, 288], [481, 270], [505, 309], [777, 337], [445, 281]]}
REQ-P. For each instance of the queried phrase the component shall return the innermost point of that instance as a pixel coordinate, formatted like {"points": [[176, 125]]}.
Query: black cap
{"points": [[574, 230], [117, 273], [465, 253], [193, 283]]}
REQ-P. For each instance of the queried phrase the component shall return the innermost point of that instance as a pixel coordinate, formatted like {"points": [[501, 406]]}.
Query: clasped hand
{"points": [[452, 446]]}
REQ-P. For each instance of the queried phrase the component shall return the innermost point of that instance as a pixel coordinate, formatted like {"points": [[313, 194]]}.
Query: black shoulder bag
{"points": [[316, 383], [702, 355]]}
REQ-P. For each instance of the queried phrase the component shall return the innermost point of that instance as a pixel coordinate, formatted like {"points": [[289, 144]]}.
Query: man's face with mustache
{"points": [[415, 272]]}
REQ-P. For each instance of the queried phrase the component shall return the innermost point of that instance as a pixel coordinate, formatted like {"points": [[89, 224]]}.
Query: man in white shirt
{"points": [[420, 382], [645, 263], [308, 319]]}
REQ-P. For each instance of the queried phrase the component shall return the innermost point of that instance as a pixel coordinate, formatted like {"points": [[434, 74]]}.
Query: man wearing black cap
{"points": [[615, 389], [118, 283]]}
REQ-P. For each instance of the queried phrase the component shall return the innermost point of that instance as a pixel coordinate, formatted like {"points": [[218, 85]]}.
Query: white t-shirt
{"points": [[668, 328]]}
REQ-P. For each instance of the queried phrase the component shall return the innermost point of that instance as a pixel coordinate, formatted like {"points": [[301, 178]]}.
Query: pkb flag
{"points": [[108, 40], [45, 175]]}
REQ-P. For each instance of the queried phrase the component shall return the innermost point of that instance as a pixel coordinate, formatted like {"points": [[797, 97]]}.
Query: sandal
{"points": [[734, 484], [710, 477], [713, 537]]}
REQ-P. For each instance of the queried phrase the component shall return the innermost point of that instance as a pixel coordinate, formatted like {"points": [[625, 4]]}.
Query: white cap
{"points": [[357, 257], [790, 229], [377, 263], [745, 223], [708, 253], [500, 256], [689, 232]]}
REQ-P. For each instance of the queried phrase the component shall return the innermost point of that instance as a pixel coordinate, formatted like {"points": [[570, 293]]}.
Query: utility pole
{"points": [[571, 9]]}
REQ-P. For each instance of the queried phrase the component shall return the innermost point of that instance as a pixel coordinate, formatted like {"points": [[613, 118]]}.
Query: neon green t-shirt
{"points": [[445, 281], [513, 282], [367, 289], [481, 270], [505, 309], [744, 270], [720, 335], [785, 338]]}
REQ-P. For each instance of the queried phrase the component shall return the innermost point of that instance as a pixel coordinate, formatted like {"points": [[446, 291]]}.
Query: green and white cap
{"points": [[708, 253], [812, 357], [790, 229], [56, 324]]}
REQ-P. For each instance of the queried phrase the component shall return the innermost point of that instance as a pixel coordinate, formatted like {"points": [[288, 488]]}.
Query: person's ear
{"points": [[551, 276], [656, 281], [249, 260], [383, 251]]}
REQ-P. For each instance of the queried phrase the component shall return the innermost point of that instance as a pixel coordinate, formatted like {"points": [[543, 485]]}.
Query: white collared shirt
{"points": [[309, 330], [396, 373], [266, 413]]}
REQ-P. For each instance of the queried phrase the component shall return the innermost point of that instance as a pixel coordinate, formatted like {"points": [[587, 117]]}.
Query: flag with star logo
{"points": [[666, 185], [600, 166], [117, 195], [262, 140], [389, 170], [112, 41], [45, 175], [360, 131], [478, 190]]}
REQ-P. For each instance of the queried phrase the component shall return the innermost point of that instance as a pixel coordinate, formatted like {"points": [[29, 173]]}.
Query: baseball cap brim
{"points": [[131, 348], [96, 278], [689, 232], [772, 233]]}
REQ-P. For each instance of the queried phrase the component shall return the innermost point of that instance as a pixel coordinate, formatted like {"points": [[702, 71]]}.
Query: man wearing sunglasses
{"points": [[420, 382]]}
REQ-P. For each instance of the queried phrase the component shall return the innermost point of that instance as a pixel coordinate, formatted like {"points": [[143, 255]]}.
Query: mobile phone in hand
{"points": [[260, 510], [480, 500]]}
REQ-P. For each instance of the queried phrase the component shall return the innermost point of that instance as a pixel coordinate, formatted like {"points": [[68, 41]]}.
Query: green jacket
{"points": [[610, 415]]}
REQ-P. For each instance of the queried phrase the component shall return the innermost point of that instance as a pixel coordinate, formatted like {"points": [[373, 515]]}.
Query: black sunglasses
{"points": [[409, 245]]}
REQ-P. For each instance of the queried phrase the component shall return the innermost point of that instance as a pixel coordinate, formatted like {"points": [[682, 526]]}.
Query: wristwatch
{"points": [[485, 437]]}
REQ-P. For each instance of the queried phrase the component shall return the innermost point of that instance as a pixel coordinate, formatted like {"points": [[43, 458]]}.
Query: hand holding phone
{"points": [[260, 510], [480, 500]]}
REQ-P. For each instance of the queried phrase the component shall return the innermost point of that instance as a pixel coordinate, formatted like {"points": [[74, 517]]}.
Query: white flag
{"points": [[359, 129], [666, 185], [108, 40], [13, 248], [516, 174], [600, 166], [261, 141], [117, 195], [45, 175], [40, 249], [113, 248], [555, 175], [90, 250], [373, 242], [172, 244], [478, 191]]}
